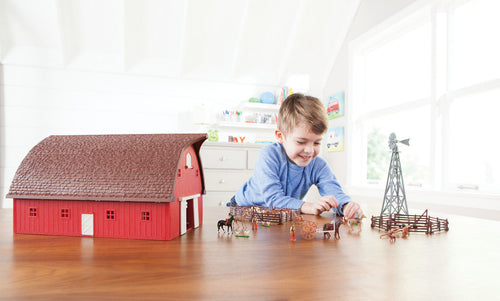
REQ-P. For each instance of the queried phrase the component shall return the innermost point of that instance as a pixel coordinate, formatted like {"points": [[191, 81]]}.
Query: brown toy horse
{"points": [[338, 223], [333, 227]]}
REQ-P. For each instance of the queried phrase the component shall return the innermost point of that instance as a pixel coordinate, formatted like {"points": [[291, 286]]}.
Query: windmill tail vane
{"points": [[405, 142]]}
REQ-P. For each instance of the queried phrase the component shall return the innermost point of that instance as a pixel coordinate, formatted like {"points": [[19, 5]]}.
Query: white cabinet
{"points": [[226, 166]]}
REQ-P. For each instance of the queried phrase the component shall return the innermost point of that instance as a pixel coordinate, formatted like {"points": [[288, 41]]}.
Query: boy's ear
{"points": [[279, 136]]}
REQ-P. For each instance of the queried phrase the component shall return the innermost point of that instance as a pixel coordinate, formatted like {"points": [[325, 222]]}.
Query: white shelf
{"points": [[245, 125], [261, 106]]}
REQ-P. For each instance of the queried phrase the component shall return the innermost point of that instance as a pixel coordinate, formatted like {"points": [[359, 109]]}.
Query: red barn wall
{"points": [[127, 221], [188, 183]]}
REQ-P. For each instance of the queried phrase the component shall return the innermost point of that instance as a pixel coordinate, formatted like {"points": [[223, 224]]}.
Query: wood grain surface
{"points": [[461, 264]]}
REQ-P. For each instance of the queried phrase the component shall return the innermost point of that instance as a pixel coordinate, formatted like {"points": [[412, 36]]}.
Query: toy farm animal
{"points": [[227, 222], [354, 224], [338, 223], [392, 234]]}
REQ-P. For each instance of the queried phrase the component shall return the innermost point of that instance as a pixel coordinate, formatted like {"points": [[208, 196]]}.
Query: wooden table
{"points": [[461, 264]]}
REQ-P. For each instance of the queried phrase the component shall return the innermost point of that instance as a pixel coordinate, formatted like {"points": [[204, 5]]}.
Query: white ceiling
{"points": [[248, 41]]}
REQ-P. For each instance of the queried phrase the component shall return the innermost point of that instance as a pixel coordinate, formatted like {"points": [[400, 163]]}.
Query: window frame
{"points": [[110, 214], [439, 101], [64, 213], [145, 216]]}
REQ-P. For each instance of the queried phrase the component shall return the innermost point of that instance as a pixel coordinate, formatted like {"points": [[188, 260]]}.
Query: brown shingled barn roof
{"points": [[104, 167]]}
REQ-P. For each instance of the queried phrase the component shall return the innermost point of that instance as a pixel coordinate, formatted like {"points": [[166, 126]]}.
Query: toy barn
{"points": [[119, 186]]}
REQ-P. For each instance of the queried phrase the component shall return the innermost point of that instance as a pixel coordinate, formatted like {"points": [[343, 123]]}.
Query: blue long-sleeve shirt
{"points": [[277, 182]]}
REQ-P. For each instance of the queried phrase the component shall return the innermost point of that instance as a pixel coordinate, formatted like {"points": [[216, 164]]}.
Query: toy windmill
{"points": [[395, 196]]}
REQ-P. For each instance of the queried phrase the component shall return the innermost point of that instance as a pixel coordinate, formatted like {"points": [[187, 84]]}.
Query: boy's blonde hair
{"points": [[298, 108]]}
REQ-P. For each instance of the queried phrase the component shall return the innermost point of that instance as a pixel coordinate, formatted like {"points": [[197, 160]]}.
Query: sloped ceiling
{"points": [[248, 41]]}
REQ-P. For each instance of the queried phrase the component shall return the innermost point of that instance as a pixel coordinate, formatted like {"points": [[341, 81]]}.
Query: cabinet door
{"points": [[217, 198], [224, 159], [218, 180]]}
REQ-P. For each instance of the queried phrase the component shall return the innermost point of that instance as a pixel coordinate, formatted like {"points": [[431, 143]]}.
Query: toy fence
{"points": [[264, 214], [416, 223]]}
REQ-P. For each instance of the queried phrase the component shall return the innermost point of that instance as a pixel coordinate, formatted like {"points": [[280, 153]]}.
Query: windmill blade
{"points": [[405, 142]]}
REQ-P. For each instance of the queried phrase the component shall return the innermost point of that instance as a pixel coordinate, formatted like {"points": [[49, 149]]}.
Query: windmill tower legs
{"points": [[395, 196]]}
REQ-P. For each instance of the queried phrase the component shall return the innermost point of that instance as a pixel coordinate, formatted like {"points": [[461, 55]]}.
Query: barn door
{"points": [[87, 224], [183, 206], [189, 213]]}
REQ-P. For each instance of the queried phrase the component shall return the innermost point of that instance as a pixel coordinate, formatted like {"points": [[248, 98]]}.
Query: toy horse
{"points": [[354, 224], [227, 222], [334, 225], [403, 229], [338, 223]]}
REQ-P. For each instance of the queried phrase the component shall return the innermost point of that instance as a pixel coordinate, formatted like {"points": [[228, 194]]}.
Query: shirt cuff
{"points": [[340, 208]]}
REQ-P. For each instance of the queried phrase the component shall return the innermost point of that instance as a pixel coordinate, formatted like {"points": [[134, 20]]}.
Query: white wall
{"points": [[38, 102], [369, 14]]}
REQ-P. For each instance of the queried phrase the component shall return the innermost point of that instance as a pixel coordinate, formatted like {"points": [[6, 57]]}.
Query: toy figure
{"points": [[403, 230], [354, 224], [292, 232], [228, 222], [254, 223], [338, 223]]}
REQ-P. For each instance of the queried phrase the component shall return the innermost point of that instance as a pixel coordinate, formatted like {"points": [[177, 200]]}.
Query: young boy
{"points": [[287, 169]]}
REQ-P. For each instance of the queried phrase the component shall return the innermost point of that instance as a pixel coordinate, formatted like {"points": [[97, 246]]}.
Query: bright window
{"points": [[474, 146], [413, 124], [432, 75], [398, 71], [474, 42]]}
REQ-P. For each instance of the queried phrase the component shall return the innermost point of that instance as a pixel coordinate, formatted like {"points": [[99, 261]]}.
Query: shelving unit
{"points": [[261, 106], [258, 131], [245, 125]]}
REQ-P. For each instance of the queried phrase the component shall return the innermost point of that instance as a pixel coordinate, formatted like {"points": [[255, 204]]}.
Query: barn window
{"points": [[110, 214], [188, 161], [65, 213], [33, 212], [145, 216]]}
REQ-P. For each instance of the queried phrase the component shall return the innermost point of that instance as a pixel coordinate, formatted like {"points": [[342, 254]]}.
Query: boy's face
{"points": [[301, 145]]}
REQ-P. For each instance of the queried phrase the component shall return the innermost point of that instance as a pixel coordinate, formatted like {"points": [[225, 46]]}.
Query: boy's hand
{"points": [[352, 209], [310, 208], [328, 202], [325, 203]]}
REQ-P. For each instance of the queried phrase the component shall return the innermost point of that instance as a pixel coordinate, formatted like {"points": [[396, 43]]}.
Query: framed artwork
{"points": [[335, 139], [335, 105]]}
